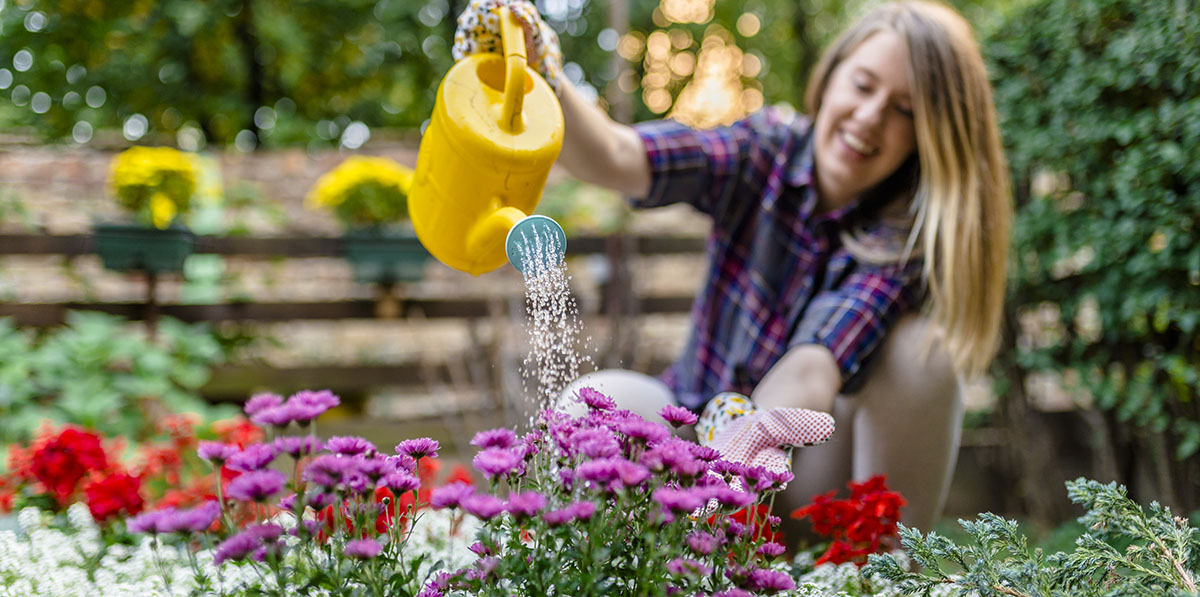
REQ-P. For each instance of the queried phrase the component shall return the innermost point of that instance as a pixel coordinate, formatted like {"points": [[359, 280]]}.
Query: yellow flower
{"points": [[162, 210], [364, 191], [155, 184]]}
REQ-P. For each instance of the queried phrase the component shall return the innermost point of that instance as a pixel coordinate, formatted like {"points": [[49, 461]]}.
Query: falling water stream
{"points": [[553, 323]]}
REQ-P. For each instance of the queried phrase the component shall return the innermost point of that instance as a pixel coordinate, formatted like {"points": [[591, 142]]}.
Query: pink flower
{"points": [[418, 448], [678, 416], [494, 438], [260, 402], [525, 504], [497, 462], [363, 549], [594, 399], [256, 486], [482, 505], [450, 496]]}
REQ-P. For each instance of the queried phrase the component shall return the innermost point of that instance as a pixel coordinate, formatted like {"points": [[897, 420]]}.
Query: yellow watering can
{"points": [[496, 129]]}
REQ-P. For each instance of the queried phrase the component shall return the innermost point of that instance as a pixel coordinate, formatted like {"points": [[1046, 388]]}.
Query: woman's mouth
{"points": [[858, 144]]}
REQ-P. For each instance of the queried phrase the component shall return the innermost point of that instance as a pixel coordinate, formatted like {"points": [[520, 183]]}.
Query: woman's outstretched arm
{"points": [[598, 150]]}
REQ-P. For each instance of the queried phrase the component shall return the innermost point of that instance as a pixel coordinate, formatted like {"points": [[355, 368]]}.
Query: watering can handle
{"points": [[513, 37]]}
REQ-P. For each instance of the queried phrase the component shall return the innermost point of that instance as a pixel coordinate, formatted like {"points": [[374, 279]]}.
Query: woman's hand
{"points": [[479, 31], [732, 425]]}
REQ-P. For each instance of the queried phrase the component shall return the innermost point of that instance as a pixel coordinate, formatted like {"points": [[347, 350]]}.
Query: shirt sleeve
{"points": [[704, 167], [853, 319]]}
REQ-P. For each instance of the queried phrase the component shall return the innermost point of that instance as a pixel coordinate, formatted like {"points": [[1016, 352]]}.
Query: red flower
{"points": [[238, 431], [865, 523], [60, 462], [117, 493]]}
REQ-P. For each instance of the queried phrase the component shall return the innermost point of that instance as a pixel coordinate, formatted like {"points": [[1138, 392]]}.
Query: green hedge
{"points": [[1100, 107]]}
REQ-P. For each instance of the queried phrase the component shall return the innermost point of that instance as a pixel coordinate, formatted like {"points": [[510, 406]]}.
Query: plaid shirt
{"points": [[778, 275]]}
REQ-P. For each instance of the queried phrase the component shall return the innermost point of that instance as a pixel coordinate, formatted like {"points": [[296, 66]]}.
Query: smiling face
{"points": [[864, 127]]}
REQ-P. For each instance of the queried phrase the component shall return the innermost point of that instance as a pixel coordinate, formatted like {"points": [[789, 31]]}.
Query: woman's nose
{"points": [[871, 110]]}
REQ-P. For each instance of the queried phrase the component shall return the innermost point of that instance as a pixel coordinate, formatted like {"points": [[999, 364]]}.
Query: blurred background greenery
{"points": [[1100, 110]]}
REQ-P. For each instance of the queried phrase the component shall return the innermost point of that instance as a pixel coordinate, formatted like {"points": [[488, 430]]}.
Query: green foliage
{"points": [[1099, 102], [254, 72], [97, 372], [1125, 551]]}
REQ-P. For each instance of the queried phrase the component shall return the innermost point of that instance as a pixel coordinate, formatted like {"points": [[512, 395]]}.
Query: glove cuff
{"points": [[720, 413]]}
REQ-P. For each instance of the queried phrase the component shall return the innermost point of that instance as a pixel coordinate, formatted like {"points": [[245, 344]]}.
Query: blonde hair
{"points": [[961, 204]]}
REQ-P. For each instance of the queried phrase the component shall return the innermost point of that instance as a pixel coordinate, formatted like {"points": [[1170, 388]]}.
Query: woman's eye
{"points": [[862, 87], [905, 110]]}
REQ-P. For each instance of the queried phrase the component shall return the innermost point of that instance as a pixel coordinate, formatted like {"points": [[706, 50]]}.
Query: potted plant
{"points": [[369, 197], [154, 185]]}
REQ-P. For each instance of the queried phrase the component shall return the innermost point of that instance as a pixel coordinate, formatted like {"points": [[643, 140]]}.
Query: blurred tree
{"points": [[1100, 106], [244, 72]]}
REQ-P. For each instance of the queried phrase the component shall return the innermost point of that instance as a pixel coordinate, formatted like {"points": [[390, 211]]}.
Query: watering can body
{"points": [[485, 156]]}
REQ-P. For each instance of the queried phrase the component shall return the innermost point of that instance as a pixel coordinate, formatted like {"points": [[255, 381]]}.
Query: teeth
{"points": [[857, 144]]}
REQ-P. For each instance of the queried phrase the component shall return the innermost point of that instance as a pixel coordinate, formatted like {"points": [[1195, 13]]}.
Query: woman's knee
{"points": [[912, 370]]}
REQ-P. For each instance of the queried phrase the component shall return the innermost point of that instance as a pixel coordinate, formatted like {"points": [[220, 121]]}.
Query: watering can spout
{"points": [[533, 244]]}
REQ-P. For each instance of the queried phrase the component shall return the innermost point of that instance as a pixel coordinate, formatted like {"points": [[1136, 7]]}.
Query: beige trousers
{"points": [[905, 423]]}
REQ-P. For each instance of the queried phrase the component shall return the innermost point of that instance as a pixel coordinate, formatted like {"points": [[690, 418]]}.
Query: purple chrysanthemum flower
{"points": [[252, 458], [678, 500], [236, 548], [357, 482], [566, 478], [770, 581], [196, 520], [450, 496], [418, 448], [494, 438], [329, 470], [732, 498], [678, 416], [288, 502], [726, 468], [687, 567], [644, 430], [363, 549], [277, 416], [595, 400], [632, 474], [771, 550], [582, 510], [319, 500], [349, 445], [256, 486], [599, 471], [525, 504], [595, 443], [260, 402], [297, 446], [308, 405], [702, 543], [558, 517], [482, 505], [405, 463], [735, 528], [773, 521], [497, 462], [215, 452], [705, 453], [400, 482], [479, 549], [245, 543], [148, 522], [437, 586]]}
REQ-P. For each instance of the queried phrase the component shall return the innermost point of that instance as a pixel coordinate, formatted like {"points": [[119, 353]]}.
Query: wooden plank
{"points": [[237, 382], [51, 314], [306, 246]]}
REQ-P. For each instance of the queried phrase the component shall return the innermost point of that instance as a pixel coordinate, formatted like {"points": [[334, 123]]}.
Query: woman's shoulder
{"points": [[779, 125]]}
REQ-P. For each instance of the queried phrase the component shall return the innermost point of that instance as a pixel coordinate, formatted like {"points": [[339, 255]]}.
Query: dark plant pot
{"points": [[384, 256], [131, 247]]}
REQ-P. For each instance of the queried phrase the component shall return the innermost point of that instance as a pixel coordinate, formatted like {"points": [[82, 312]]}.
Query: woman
{"points": [[857, 258]]}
